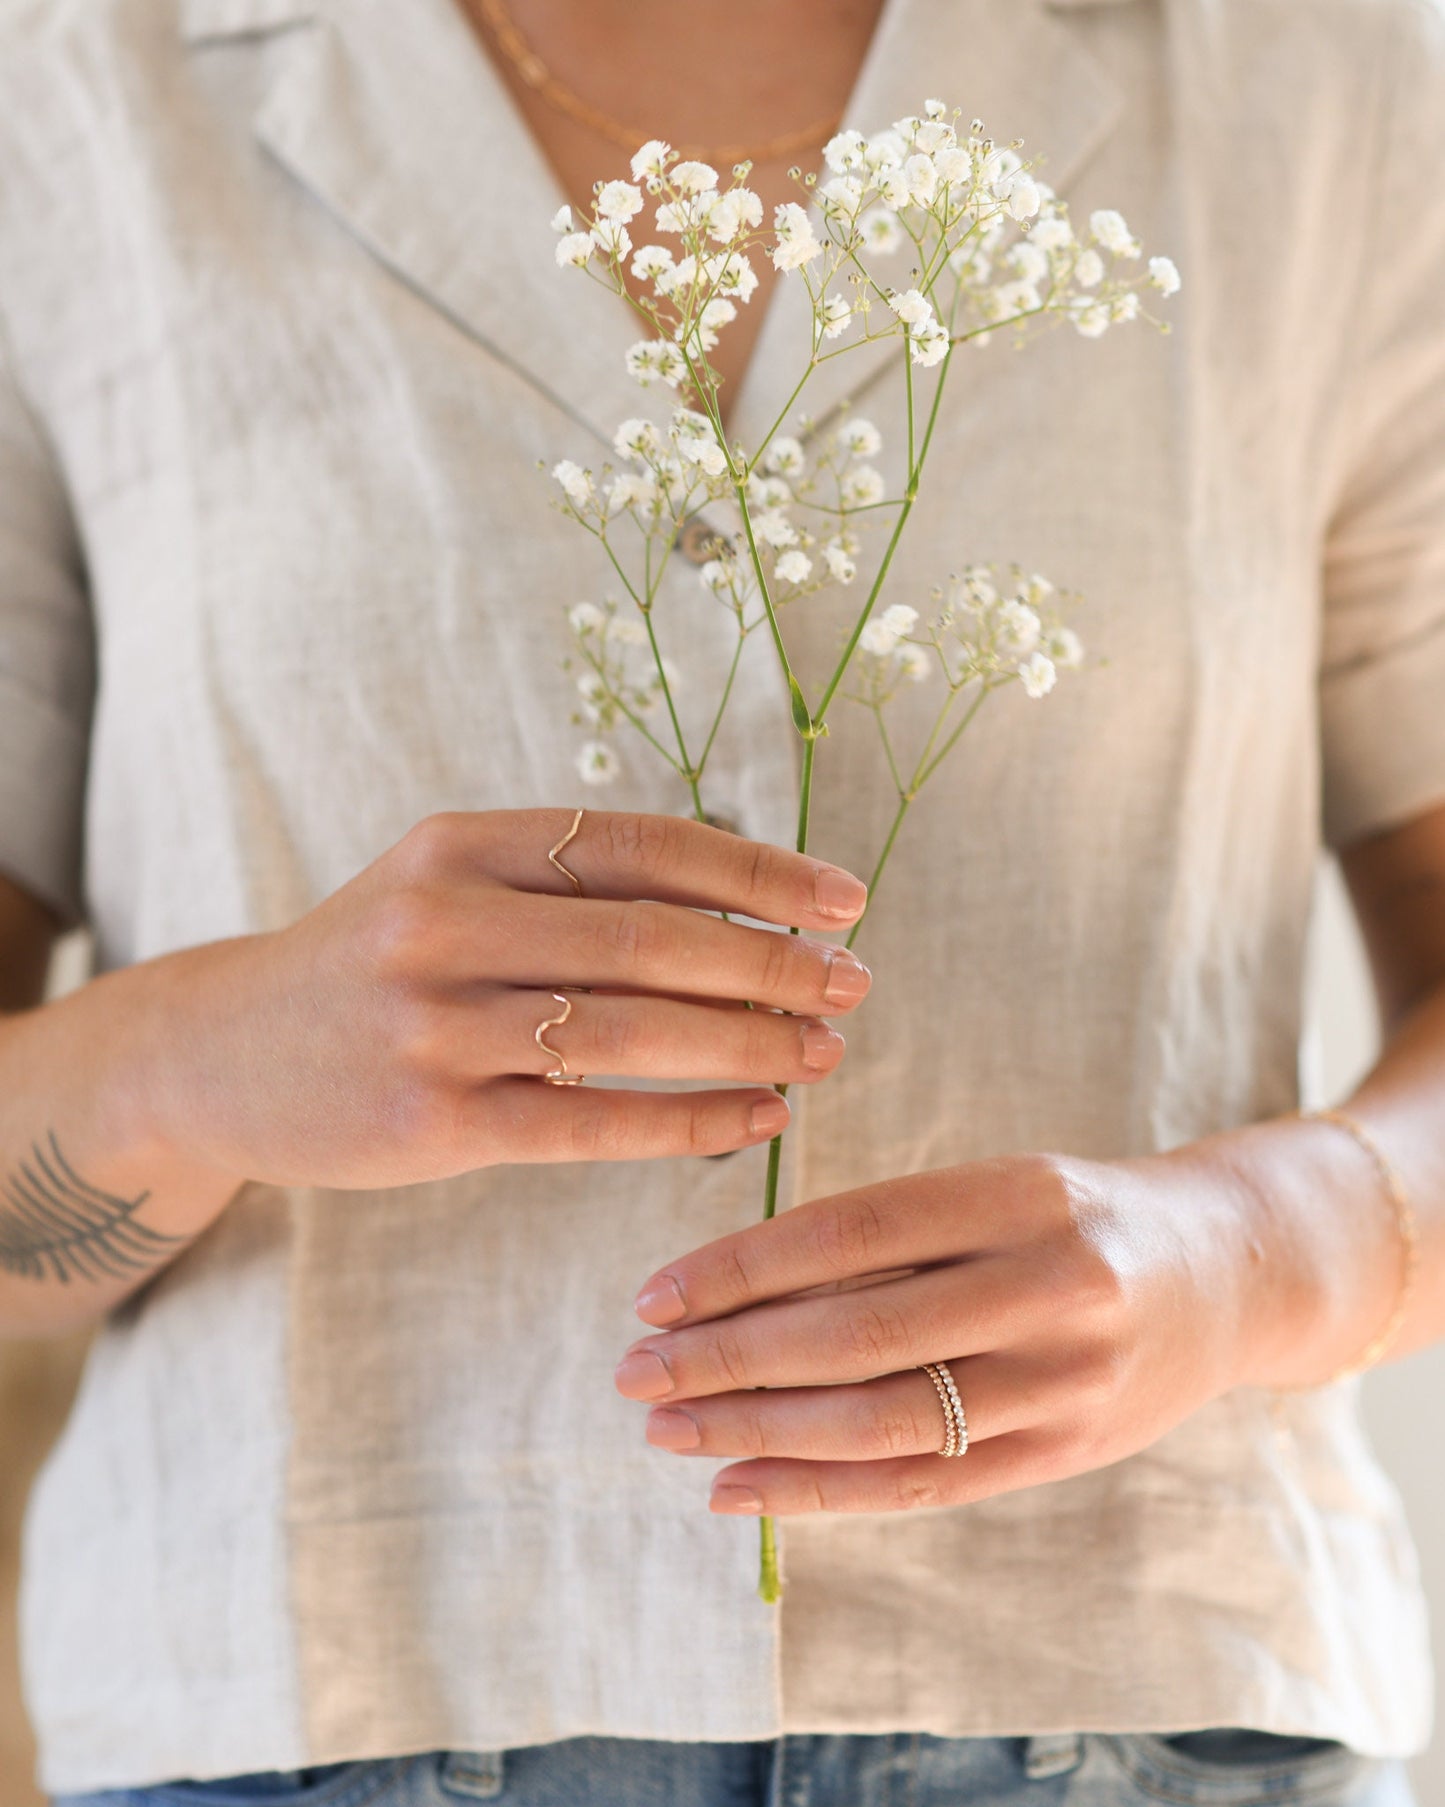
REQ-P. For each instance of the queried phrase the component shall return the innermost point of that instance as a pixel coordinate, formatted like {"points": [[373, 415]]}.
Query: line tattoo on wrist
{"points": [[56, 1226]]}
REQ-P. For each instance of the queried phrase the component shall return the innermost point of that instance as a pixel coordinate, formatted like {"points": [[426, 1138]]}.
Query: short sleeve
{"points": [[47, 665], [1382, 673]]}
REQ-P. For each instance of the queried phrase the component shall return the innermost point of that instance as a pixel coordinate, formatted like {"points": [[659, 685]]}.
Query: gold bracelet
{"points": [[1409, 1239]]}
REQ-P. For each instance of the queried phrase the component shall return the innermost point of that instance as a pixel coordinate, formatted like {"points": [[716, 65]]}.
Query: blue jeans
{"points": [[1223, 1768]]}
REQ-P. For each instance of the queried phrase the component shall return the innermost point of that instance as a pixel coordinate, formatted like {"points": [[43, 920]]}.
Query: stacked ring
{"points": [[955, 1443]]}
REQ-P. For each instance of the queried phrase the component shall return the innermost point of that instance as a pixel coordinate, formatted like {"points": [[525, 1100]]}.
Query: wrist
{"points": [[1315, 1253]]}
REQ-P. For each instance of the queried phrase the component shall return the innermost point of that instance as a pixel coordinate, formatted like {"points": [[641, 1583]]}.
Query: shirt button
{"points": [[698, 542]]}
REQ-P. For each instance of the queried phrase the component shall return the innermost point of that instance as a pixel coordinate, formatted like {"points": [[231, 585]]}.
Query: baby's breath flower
{"points": [[630, 489], [912, 307], [840, 567], [716, 575], [576, 482], [737, 211], [611, 237], [732, 275], [928, 342], [627, 630], [1016, 298], [784, 457], [913, 661], [953, 163], [893, 187], [900, 619], [881, 231], [586, 618], [768, 492], [635, 438], [1124, 307], [794, 567], [1063, 646], [1052, 233], [860, 438], [1037, 674], [861, 486], [651, 262], [844, 151], [775, 529], [1018, 626], [1089, 269], [836, 315], [596, 762], [1112, 233], [1028, 261], [922, 179], [687, 213], [706, 454], [575, 250], [935, 109], [592, 688], [651, 160], [1022, 198], [692, 177], [562, 220], [1092, 320], [843, 195], [618, 201], [878, 638], [656, 360], [1164, 275], [796, 244], [883, 151], [933, 136]]}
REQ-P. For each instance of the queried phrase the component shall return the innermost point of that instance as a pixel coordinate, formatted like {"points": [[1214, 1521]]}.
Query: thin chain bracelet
{"points": [[1409, 1240]]}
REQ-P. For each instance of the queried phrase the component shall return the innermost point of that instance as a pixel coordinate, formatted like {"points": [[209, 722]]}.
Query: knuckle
{"points": [[847, 1236], [913, 1489], [890, 1430], [417, 1034], [594, 1133], [402, 929], [874, 1334], [730, 1359], [699, 1124], [778, 966], [430, 845], [641, 936], [638, 842], [735, 1281]]}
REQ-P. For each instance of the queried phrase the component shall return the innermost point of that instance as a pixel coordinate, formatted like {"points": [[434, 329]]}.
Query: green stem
{"points": [[769, 1585], [905, 798]]}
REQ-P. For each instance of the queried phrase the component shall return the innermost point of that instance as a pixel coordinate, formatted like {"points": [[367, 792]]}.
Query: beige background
{"points": [[36, 1379]]}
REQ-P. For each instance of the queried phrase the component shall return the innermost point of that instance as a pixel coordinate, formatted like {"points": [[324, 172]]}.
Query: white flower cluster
{"points": [[976, 634], [622, 679]]}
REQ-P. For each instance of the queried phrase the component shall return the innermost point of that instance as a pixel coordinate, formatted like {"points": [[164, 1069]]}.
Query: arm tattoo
{"points": [[55, 1225]]}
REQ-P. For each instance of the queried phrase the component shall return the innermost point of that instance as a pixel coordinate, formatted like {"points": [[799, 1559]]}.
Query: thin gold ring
{"points": [[566, 871], [559, 1074]]}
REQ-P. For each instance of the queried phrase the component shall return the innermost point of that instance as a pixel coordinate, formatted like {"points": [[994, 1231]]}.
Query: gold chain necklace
{"points": [[540, 79]]}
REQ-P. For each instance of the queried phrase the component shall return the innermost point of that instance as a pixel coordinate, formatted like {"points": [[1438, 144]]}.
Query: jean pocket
{"points": [[1235, 1766]]}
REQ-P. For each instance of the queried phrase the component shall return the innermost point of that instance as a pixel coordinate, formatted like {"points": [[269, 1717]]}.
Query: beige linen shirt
{"points": [[284, 340]]}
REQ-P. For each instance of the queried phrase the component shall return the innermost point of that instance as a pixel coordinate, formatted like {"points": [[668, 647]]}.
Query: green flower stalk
{"points": [[990, 250]]}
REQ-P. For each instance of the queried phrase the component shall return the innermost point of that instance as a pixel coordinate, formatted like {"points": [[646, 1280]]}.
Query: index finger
{"points": [[626, 855], [873, 1231]]}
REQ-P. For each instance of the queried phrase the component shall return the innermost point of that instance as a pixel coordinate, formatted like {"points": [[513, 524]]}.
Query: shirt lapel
{"points": [[393, 118]]}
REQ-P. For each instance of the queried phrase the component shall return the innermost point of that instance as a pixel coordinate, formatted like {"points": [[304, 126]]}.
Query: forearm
{"points": [[93, 1201], [1322, 1246]]}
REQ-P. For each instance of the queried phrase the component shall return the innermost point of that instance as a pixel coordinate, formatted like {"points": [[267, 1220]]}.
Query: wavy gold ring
{"points": [[566, 872], [559, 1074]]}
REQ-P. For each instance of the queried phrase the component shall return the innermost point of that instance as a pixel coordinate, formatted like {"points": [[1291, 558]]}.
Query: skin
{"points": [[1084, 1307]]}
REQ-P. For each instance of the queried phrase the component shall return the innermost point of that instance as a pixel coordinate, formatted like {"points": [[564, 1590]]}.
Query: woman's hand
{"points": [[1083, 1307], [388, 1036]]}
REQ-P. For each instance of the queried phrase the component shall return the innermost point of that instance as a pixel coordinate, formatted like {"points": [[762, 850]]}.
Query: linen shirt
{"points": [[284, 342]]}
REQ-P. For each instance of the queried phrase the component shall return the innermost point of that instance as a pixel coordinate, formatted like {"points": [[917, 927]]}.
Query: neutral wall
{"points": [[1402, 1399]]}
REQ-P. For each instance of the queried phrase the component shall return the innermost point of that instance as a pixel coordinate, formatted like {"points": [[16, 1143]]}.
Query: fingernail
{"points": [[643, 1375], [662, 1302], [821, 1046], [727, 1497], [848, 977], [672, 1429], [838, 893], [769, 1117]]}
